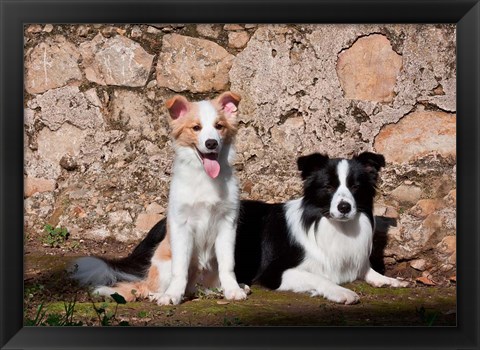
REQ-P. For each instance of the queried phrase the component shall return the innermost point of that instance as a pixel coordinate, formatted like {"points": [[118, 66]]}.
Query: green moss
{"points": [[418, 306]]}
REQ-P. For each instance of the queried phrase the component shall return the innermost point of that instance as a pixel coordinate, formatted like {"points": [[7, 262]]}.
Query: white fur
{"points": [[208, 115], [342, 194], [202, 214]]}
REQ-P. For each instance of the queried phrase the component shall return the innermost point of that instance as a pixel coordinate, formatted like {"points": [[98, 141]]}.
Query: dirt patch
{"points": [[47, 284]]}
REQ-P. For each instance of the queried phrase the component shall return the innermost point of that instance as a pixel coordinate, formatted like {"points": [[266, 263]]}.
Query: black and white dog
{"points": [[311, 244]]}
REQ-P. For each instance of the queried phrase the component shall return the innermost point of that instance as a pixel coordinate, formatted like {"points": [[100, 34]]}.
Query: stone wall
{"points": [[97, 149]]}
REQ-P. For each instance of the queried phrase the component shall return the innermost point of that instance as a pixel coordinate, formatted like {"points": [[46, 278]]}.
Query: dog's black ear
{"points": [[372, 163], [310, 163], [371, 160]]}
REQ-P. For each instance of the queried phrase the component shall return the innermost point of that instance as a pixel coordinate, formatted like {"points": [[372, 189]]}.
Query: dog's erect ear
{"points": [[177, 106], [371, 161], [228, 102], [311, 163]]}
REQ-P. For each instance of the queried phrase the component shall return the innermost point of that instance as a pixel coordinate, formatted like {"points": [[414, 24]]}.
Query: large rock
{"points": [[51, 64], [120, 217], [425, 207], [145, 221], [368, 70], [68, 104], [417, 134], [289, 134], [116, 61], [407, 194], [429, 67], [448, 245], [192, 64], [238, 40], [35, 185], [54, 145], [131, 110], [209, 30]]}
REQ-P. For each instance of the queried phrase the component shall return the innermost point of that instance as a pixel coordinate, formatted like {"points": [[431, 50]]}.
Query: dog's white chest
{"points": [[200, 206], [337, 250], [340, 250]]}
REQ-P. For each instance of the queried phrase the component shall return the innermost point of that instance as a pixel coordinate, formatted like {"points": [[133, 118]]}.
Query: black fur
{"points": [[138, 262], [263, 249], [364, 170], [320, 183]]}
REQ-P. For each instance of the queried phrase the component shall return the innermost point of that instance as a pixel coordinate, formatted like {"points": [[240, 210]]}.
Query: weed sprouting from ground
{"points": [[55, 236], [106, 317], [235, 321], [54, 319], [427, 317]]}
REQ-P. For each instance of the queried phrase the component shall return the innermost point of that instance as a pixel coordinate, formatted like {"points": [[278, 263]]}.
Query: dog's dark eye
{"points": [[330, 188], [219, 126], [354, 187], [197, 128]]}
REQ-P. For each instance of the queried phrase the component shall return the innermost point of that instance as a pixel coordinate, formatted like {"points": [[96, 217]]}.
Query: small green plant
{"points": [[39, 316], [55, 236], [32, 290], [106, 317], [142, 314], [74, 246], [427, 317], [232, 321], [54, 319]]}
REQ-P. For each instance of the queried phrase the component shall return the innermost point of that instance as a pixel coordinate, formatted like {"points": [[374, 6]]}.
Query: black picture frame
{"points": [[15, 13]]}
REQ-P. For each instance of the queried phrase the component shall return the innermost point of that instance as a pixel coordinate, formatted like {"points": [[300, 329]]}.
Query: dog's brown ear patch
{"points": [[177, 106]]}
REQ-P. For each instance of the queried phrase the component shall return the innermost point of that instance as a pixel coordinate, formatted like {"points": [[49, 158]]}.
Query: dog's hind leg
{"points": [[130, 291], [298, 280]]}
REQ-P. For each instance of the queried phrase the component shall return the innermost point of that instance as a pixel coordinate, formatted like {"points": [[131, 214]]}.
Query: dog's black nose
{"points": [[211, 144], [344, 207]]}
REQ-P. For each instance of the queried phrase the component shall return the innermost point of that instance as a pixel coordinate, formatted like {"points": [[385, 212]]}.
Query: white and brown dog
{"points": [[198, 247]]}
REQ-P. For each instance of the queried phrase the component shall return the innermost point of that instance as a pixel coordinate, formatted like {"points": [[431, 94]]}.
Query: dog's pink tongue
{"points": [[211, 165]]}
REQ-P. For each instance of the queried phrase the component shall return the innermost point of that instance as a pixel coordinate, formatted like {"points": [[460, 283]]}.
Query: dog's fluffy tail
{"points": [[96, 271]]}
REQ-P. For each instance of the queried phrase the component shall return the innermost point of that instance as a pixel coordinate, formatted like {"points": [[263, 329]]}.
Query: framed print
{"points": [[355, 127]]}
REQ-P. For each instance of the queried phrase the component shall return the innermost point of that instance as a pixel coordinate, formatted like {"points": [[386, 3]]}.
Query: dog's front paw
{"points": [[387, 281], [246, 288], [342, 296], [399, 283], [168, 299], [235, 294], [154, 297]]}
